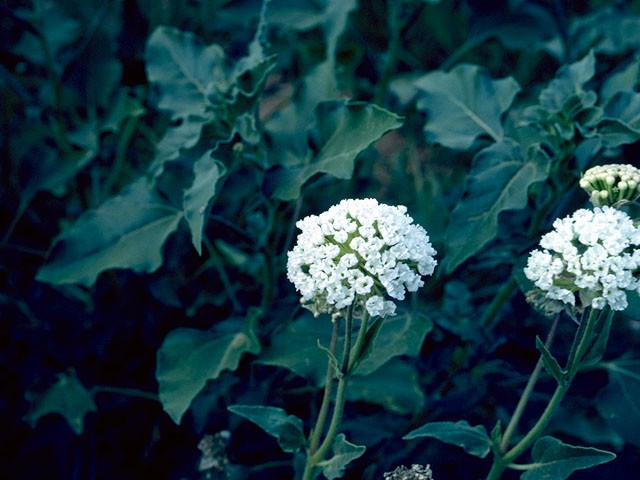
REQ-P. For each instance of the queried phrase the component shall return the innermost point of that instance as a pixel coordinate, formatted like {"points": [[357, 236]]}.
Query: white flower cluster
{"points": [[610, 184], [594, 253], [416, 472], [359, 251]]}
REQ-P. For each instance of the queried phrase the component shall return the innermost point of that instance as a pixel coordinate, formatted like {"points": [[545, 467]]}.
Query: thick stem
{"points": [[392, 52], [326, 398], [528, 391]]}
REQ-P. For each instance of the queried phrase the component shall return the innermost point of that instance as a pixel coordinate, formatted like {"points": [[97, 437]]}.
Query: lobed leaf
{"points": [[344, 452], [499, 180], [464, 104], [342, 131], [127, 231], [188, 358], [67, 397]]}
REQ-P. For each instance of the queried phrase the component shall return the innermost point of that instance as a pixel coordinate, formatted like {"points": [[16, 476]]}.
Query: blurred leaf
{"points": [[619, 402], [203, 91], [400, 335], [207, 172], [474, 440], [127, 231], [342, 131], [499, 180], [189, 358], [343, 453], [621, 122], [286, 428], [58, 31], [394, 386], [624, 80], [463, 104], [67, 397], [296, 14], [568, 81], [579, 422], [555, 460]]}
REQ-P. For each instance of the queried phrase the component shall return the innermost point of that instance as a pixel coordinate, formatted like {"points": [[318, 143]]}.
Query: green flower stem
{"points": [[582, 340], [326, 398], [314, 458], [503, 295], [392, 52], [528, 391], [359, 341]]}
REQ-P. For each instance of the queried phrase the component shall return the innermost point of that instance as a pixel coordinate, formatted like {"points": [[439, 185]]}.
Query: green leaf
{"points": [[286, 428], [499, 180], [184, 70], [551, 365], [197, 199], [568, 81], [622, 80], [619, 402], [189, 358], [400, 335], [599, 339], [394, 386], [66, 397], [332, 360], [463, 104], [555, 460], [474, 440], [127, 231], [294, 346], [369, 340], [342, 131], [344, 452], [621, 122]]}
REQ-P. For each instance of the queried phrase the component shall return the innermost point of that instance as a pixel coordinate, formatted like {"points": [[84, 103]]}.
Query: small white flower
{"points": [[360, 253], [595, 254]]}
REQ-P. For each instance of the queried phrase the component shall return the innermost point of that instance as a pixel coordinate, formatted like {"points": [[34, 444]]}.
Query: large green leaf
{"points": [[67, 397], [295, 346], [189, 358], [399, 335], [463, 104], [568, 81], [621, 122], [474, 440], [341, 132], [286, 428], [127, 231], [555, 460], [343, 453], [623, 80], [207, 172], [619, 401], [499, 180], [185, 71], [394, 386]]}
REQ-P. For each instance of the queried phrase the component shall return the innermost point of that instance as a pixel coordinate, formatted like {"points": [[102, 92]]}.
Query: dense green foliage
{"points": [[156, 156]]}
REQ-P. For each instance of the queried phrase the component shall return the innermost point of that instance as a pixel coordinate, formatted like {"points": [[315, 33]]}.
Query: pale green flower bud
{"points": [[612, 184]]}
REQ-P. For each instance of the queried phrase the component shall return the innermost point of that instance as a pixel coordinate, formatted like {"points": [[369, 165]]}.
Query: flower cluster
{"points": [[594, 253], [611, 184], [416, 472], [359, 253]]}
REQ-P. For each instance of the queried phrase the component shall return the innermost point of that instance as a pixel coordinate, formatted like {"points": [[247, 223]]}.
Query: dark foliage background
{"points": [[81, 121]]}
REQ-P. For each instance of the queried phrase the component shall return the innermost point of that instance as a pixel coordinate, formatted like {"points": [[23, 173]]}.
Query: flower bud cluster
{"points": [[416, 472], [611, 184], [593, 253], [359, 253]]}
